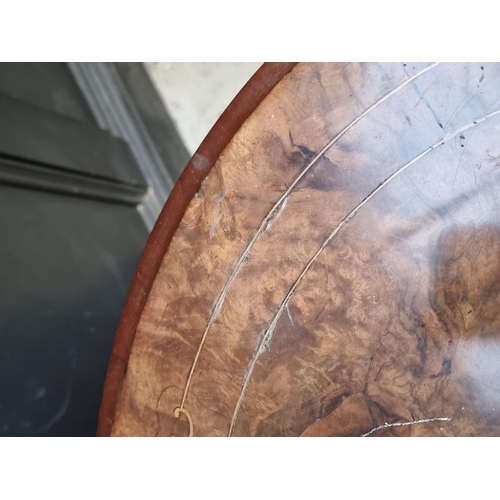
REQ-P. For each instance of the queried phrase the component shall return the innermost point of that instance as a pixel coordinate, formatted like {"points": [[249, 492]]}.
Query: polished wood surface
{"points": [[338, 271], [186, 187]]}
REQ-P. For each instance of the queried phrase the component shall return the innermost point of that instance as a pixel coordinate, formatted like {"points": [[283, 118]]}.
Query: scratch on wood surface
{"points": [[404, 424], [264, 344], [289, 314], [215, 215], [425, 101], [272, 325], [219, 301]]}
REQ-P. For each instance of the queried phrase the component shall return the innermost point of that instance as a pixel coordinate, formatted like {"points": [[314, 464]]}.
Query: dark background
{"points": [[88, 156]]}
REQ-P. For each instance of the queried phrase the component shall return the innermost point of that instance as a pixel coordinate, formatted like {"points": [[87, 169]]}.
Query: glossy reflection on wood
{"points": [[338, 271]]}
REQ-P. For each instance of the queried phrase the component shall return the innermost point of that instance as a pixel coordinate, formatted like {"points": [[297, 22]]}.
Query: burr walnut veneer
{"points": [[328, 264]]}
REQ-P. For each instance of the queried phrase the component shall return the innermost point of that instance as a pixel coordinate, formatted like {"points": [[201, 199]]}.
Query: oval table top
{"points": [[327, 265]]}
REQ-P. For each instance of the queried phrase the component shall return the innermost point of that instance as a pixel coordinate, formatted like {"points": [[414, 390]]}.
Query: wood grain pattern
{"points": [[186, 187], [339, 268]]}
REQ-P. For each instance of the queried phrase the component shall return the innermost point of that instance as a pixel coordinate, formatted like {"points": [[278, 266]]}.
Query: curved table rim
{"points": [[242, 106]]}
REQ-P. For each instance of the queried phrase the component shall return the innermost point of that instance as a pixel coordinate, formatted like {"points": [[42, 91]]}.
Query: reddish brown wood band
{"points": [[264, 80]]}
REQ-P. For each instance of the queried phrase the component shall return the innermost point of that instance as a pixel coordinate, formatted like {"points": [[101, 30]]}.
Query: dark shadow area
{"points": [[86, 165], [65, 268]]}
